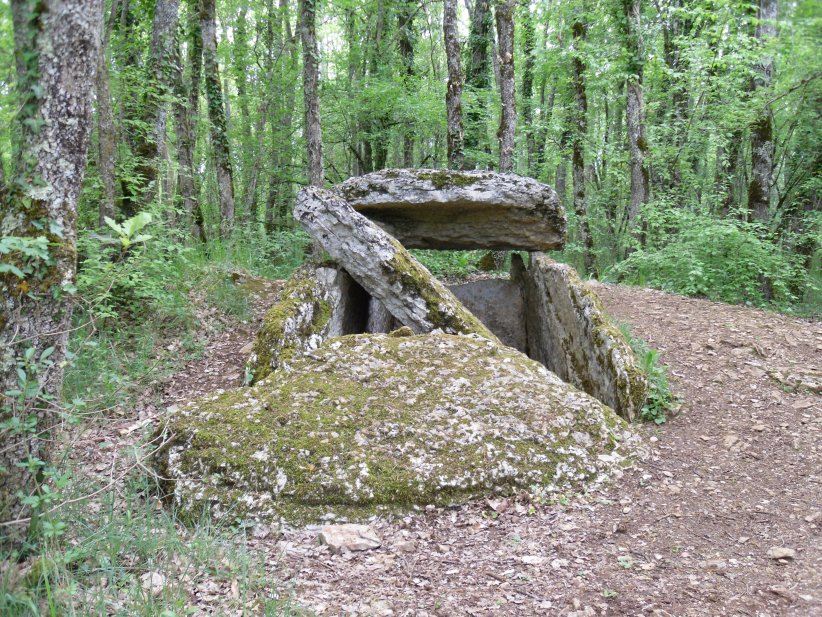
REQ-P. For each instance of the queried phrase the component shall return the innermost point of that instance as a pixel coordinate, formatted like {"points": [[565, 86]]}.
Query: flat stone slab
{"points": [[498, 303], [569, 332], [441, 209], [380, 264], [374, 423]]}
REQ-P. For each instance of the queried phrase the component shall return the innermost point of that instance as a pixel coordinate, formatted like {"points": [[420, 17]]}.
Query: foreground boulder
{"points": [[381, 265], [380, 423], [569, 332], [441, 209]]}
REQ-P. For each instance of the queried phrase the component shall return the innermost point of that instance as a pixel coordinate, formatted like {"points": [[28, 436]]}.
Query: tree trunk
{"points": [[405, 24], [478, 81], [635, 114], [186, 105], [762, 131], [580, 116], [526, 103], [311, 92], [216, 116], [59, 41], [453, 95], [508, 114], [150, 144], [106, 133]]}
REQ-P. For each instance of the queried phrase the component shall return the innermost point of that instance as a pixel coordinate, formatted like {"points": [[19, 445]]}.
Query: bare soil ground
{"points": [[690, 531]]}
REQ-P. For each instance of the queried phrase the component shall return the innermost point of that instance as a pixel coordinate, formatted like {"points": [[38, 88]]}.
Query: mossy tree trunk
{"points": [[580, 134], [217, 116], [453, 95], [58, 43], [311, 92], [508, 114]]}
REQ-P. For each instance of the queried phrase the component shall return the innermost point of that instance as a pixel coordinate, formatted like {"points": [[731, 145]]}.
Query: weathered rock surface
{"points": [[382, 266], [372, 423], [349, 537], [316, 303], [569, 332], [498, 304], [441, 209]]}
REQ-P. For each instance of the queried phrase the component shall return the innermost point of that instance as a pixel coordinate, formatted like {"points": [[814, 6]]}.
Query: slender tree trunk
{"points": [[580, 116], [508, 116], [217, 117], [453, 95], [635, 114], [405, 23], [150, 145], [478, 81], [60, 44], [762, 131], [311, 92], [185, 108], [526, 104], [106, 133]]}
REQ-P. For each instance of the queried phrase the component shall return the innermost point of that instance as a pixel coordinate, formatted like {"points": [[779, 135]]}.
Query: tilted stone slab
{"points": [[441, 209], [383, 267], [316, 303], [376, 423], [569, 332]]}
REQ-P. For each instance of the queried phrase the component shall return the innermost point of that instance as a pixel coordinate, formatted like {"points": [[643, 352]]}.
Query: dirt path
{"points": [[688, 532]]}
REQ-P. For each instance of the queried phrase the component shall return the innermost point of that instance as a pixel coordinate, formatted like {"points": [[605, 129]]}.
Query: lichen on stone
{"points": [[297, 322], [369, 424]]}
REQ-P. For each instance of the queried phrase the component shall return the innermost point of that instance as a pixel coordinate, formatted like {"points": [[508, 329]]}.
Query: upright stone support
{"points": [[383, 267]]}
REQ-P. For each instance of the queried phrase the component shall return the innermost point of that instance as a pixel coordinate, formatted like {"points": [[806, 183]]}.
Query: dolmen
{"points": [[378, 389]]}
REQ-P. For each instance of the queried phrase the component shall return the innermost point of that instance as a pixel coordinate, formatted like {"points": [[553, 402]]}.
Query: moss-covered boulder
{"points": [[316, 303], [377, 423], [570, 333]]}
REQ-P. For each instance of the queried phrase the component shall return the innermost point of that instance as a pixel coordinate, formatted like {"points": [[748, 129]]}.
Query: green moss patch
{"points": [[369, 423]]}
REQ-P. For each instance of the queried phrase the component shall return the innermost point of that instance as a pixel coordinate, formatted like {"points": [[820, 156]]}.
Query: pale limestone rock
{"points": [[383, 267], [442, 209], [569, 332], [378, 424], [316, 303], [349, 537]]}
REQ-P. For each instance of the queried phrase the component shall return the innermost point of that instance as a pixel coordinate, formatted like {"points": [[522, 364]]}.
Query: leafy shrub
{"points": [[721, 260], [660, 401]]}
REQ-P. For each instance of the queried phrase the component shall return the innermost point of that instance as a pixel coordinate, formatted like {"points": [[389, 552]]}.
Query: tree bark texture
{"points": [[635, 111], [762, 137], [311, 92], [526, 103], [580, 117], [453, 95], [405, 24], [216, 116], [185, 108], [508, 114], [60, 41], [478, 81], [150, 144], [106, 131]]}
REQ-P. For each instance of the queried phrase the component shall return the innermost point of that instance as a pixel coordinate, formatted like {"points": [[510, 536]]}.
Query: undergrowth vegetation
{"points": [[145, 303]]}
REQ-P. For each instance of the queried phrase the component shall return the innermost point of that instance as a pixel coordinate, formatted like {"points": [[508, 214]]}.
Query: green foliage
{"points": [[449, 264], [127, 231], [718, 259], [660, 401]]}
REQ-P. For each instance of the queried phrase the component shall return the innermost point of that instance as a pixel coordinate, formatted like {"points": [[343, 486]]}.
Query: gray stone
{"points": [[349, 537], [569, 332], [382, 266], [441, 209], [380, 321], [316, 303], [498, 304], [374, 423]]}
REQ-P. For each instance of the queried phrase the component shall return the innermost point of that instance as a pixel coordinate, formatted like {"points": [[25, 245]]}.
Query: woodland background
{"points": [[681, 135]]}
